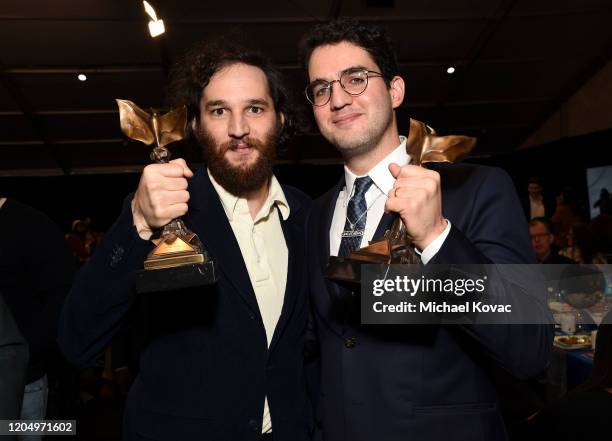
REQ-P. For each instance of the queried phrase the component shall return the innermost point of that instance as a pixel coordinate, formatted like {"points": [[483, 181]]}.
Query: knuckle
{"points": [[158, 212]]}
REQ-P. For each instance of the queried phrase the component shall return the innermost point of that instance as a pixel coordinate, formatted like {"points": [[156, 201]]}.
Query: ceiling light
{"points": [[450, 70], [156, 26], [82, 77]]}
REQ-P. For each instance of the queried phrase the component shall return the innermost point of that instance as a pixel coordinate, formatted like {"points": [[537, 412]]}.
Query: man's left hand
{"points": [[416, 197]]}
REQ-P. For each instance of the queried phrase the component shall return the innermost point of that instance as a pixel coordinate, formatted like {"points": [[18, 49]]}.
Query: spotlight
{"points": [[450, 70], [156, 26], [82, 77]]}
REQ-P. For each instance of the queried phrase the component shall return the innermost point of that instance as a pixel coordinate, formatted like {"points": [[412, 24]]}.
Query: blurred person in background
{"points": [[584, 413], [536, 204], [601, 225], [36, 270], [542, 240], [566, 215], [13, 364], [583, 246]]}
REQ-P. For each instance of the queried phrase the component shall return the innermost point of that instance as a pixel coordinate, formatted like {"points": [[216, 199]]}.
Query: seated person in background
{"points": [[583, 413], [583, 246], [542, 238]]}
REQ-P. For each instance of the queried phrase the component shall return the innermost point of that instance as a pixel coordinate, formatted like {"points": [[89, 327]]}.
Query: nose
{"points": [[339, 98], [238, 126]]}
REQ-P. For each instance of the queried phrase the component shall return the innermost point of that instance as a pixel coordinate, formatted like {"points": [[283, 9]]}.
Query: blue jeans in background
{"points": [[34, 404]]}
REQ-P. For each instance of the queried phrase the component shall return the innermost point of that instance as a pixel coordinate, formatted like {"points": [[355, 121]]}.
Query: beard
{"points": [[240, 179]]}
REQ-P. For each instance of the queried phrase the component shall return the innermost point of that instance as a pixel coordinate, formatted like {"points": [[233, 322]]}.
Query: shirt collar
{"points": [[231, 203], [380, 174]]}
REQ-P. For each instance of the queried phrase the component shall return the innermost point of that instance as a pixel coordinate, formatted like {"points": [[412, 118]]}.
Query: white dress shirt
{"points": [[264, 250], [375, 197], [536, 207]]}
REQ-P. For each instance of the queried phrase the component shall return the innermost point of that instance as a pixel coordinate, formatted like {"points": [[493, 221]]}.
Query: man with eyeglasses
{"points": [[404, 382], [542, 238]]}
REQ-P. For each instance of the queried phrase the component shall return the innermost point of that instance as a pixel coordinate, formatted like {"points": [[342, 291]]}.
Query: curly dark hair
{"points": [[192, 72], [372, 38]]}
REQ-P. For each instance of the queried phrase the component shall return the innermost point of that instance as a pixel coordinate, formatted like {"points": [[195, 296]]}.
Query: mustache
{"points": [[233, 143]]}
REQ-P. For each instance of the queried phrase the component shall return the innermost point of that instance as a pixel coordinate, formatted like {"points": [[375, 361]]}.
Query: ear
{"points": [[396, 91], [282, 119]]}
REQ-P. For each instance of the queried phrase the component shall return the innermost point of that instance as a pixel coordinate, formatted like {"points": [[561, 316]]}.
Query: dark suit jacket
{"points": [[391, 382], [207, 367], [549, 207]]}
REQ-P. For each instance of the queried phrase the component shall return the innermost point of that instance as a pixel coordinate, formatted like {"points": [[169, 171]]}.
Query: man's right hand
{"points": [[161, 196]]}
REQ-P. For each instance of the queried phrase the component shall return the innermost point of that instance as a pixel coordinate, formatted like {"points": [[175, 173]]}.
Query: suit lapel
{"points": [[208, 219], [325, 220], [385, 224], [333, 291], [294, 238]]}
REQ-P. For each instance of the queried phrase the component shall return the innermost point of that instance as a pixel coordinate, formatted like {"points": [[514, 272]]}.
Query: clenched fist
{"points": [[416, 197], [161, 196]]}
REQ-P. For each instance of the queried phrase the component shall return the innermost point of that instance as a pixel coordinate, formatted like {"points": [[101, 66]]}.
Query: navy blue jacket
{"points": [[393, 382], [207, 367]]}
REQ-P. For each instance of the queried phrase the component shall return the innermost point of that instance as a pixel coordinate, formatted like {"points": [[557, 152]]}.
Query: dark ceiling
{"points": [[516, 61]]}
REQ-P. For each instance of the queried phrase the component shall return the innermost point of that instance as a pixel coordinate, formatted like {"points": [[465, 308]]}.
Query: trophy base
{"points": [[176, 277], [171, 261], [344, 269], [348, 269]]}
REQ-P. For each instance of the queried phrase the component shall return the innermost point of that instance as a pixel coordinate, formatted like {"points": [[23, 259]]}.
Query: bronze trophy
{"points": [[179, 259], [423, 146]]}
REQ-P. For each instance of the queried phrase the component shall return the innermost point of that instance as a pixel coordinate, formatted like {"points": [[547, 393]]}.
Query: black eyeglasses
{"points": [[353, 81]]}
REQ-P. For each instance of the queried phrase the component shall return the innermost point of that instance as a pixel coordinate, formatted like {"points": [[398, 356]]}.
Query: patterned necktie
{"points": [[356, 215]]}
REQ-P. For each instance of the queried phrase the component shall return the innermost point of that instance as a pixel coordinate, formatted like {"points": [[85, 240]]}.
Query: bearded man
{"points": [[223, 362]]}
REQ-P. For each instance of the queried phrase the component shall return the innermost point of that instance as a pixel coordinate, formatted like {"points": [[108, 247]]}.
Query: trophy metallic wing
{"points": [[172, 126], [424, 146], [135, 122]]}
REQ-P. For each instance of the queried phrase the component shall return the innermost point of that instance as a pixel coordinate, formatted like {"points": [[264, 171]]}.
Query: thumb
{"points": [[394, 169], [186, 170]]}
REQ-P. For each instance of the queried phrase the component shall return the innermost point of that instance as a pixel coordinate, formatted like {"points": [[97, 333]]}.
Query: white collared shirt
{"points": [[264, 250], [536, 207], [375, 197]]}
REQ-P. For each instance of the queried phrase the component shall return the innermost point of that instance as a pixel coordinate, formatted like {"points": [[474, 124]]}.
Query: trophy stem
{"points": [[401, 244], [161, 155]]}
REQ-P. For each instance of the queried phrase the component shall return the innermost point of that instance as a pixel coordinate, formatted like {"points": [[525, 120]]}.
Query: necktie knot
{"points": [[361, 186]]}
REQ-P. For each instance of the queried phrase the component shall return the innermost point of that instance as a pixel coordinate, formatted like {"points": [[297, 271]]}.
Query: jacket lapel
{"points": [[385, 224], [296, 246], [208, 219], [329, 300], [327, 214]]}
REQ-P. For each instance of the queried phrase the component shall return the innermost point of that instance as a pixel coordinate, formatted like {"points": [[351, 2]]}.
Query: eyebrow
{"points": [[251, 102], [358, 66]]}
